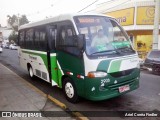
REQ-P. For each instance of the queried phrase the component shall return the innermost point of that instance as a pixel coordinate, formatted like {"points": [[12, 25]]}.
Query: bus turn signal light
{"points": [[96, 74]]}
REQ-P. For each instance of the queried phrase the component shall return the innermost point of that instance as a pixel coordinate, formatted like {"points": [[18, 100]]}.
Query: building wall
{"points": [[5, 32]]}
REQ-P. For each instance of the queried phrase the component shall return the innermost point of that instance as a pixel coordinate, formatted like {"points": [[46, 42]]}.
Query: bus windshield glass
{"points": [[103, 35]]}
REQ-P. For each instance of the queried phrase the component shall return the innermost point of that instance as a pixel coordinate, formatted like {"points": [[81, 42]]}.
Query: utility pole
{"points": [[156, 26], [18, 20]]}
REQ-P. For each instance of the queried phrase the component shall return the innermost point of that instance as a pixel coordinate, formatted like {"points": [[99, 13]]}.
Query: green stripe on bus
{"points": [[115, 66], [56, 72]]}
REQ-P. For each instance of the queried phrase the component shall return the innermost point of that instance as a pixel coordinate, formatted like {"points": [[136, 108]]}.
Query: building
{"points": [[5, 32], [137, 18]]}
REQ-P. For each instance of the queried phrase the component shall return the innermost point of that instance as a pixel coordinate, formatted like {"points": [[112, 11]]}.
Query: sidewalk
{"points": [[17, 95]]}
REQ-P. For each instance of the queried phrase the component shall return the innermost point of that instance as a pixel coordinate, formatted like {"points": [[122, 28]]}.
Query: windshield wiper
{"points": [[104, 52], [125, 49]]}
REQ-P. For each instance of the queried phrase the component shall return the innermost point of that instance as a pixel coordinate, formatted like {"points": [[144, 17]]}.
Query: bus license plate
{"points": [[124, 88]]}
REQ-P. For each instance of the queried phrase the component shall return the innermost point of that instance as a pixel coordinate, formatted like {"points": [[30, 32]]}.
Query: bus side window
{"points": [[67, 41], [40, 39], [21, 39], [29, 39], [69, 38], [36, 40], [52, 38], [61, 41], [63, 37], [71, 42]]}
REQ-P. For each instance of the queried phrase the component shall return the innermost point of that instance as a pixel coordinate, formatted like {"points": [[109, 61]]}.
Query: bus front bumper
{"points": [[96, 92]]}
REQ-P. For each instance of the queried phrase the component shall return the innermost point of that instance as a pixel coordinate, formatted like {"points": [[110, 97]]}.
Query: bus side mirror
{"points": [[81, 41]]}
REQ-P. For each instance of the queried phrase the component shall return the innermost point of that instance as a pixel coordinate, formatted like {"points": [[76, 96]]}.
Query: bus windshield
{"points": [[103, 35]]}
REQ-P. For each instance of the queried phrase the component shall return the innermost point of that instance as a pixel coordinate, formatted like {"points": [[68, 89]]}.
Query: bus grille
{"points": [[44, 75], [122, 73], [38, 73], [116, 86]]}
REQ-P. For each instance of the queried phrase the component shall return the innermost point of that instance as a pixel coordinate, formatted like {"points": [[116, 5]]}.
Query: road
{"points": [[145, 98]]}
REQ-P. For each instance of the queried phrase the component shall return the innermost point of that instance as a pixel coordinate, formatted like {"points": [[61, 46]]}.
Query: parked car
{"points": [[3, 45], [6, 46], [1, 49], [13, 47], [152, 61]]}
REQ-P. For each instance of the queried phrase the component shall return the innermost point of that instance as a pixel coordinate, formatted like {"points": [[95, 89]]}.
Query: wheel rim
{"points": [[30, 72], [69, 90]]}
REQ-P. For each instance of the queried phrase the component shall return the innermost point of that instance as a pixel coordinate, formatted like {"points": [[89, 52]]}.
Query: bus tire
{"points": [[70, 91], [30, 72]]}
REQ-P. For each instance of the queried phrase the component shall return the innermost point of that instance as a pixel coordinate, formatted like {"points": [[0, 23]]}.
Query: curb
{"points": [[78, 115], [57, 102]]}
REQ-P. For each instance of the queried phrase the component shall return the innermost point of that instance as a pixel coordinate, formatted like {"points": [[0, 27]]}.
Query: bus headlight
{"points": [[96, 74]]}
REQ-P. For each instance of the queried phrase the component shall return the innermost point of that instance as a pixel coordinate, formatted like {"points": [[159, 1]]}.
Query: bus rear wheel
{"points": [[69, 90], [30, 71]]}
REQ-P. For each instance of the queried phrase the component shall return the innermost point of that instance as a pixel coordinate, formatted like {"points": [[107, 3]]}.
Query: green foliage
{"points": [[13, 37], [15, 20], [23, 20]]}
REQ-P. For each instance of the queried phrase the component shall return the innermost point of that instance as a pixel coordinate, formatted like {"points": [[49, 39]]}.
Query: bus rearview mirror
{"points": [[81, 42]]}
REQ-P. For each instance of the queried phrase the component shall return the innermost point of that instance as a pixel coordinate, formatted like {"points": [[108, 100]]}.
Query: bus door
{"points": [[52, 61], [68, 54]]}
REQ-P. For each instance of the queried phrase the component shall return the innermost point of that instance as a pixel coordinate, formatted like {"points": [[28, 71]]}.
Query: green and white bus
{"points": [[64, 52]]}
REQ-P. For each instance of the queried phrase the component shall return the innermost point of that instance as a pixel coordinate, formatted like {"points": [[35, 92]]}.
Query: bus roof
{"points": [[61, 17]]}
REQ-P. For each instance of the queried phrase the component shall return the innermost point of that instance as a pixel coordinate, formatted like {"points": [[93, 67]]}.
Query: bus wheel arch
{"points": [[69, 89], [30, 71]]}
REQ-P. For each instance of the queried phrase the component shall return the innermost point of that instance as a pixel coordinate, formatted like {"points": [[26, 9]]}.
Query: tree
{"points": [[15, 20], [13, 37], [23, 20]]}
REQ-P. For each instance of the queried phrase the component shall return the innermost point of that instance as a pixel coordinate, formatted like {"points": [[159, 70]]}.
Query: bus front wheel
{"points": [[69, 90]]}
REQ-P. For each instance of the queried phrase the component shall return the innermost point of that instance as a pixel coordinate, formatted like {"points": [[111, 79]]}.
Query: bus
{"points": [[65, 52]]}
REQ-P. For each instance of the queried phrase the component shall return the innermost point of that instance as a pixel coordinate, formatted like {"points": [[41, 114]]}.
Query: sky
{"points": [[40, 9]]}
